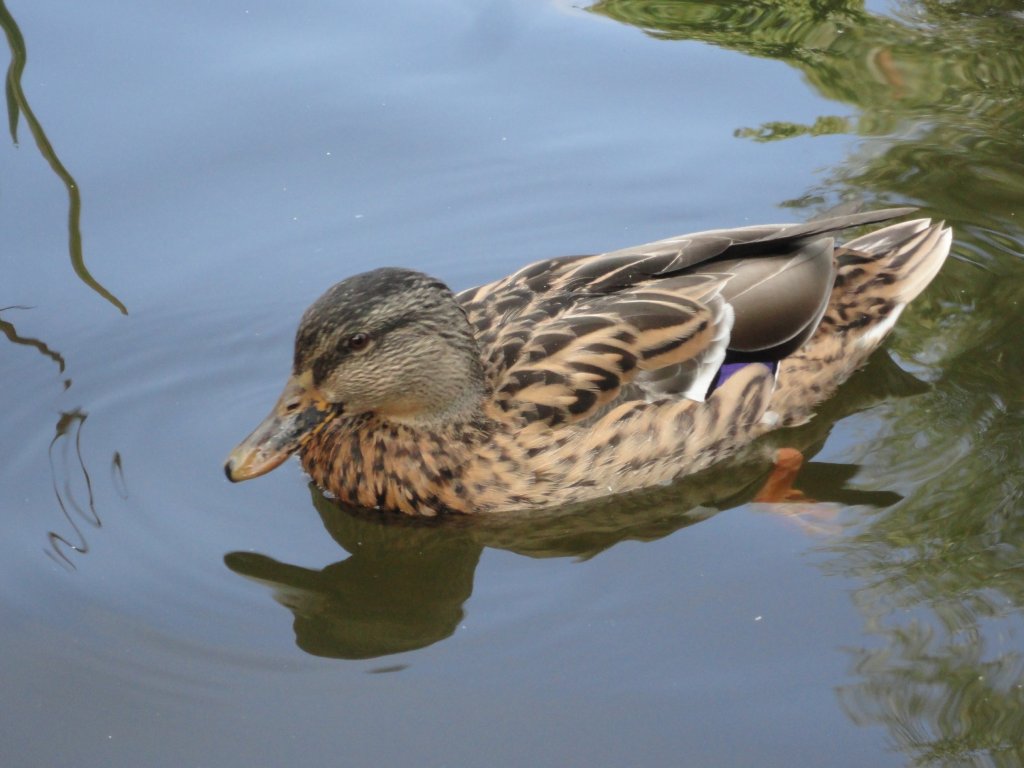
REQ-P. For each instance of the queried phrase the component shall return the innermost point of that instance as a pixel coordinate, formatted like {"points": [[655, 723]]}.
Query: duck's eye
{"points": [[357, 342]]}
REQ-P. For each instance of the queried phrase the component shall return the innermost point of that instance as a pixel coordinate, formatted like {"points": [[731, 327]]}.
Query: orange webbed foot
{"points": [[779, 485], [812, 517]]}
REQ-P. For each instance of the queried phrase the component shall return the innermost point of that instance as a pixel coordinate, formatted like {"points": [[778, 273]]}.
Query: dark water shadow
{"points": [[18, 107], [404, 582]]}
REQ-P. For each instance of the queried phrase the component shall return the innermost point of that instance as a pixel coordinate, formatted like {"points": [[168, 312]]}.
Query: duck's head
{"points": [[391, 342]]}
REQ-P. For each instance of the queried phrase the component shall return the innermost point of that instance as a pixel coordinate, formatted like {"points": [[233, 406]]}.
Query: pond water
{"points": [[181, 180]]}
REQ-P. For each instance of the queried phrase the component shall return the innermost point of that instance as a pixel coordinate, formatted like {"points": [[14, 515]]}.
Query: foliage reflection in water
{"points": [[18, 107], [7, 329], [69, 424], [65, 458], [938, 85], [73, 487], [937, 88]]}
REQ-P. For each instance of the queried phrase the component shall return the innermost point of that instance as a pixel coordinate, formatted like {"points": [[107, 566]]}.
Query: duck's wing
{"points": [[686, 251], [776, 277], [568, 366]]}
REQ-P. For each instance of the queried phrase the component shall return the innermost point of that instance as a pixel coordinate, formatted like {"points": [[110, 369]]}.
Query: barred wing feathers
{"points": [[662, 336]]}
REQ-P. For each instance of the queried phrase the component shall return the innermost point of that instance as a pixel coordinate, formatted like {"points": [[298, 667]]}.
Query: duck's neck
{"points": [[415, 467], [413, 452]]}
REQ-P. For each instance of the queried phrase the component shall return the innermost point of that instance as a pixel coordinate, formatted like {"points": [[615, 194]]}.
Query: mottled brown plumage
{"points": [[583, 376]]}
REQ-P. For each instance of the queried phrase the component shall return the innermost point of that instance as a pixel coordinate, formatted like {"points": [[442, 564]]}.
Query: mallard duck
{"points": [[583, 376]]}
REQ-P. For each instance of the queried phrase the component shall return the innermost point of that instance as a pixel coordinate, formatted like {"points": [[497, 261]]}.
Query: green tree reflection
{"points": [[936, 93], [940, 82]]}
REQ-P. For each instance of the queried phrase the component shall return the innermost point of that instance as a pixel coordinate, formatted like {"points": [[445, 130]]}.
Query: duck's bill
{"points": [[295, 417]]}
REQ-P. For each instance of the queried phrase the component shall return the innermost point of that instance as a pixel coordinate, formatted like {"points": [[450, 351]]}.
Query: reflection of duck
{"points": [[405, 581], [583, 376], [401, 588]]}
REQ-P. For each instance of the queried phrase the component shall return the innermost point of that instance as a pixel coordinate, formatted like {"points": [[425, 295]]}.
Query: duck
{"points": [[584, 376]]}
